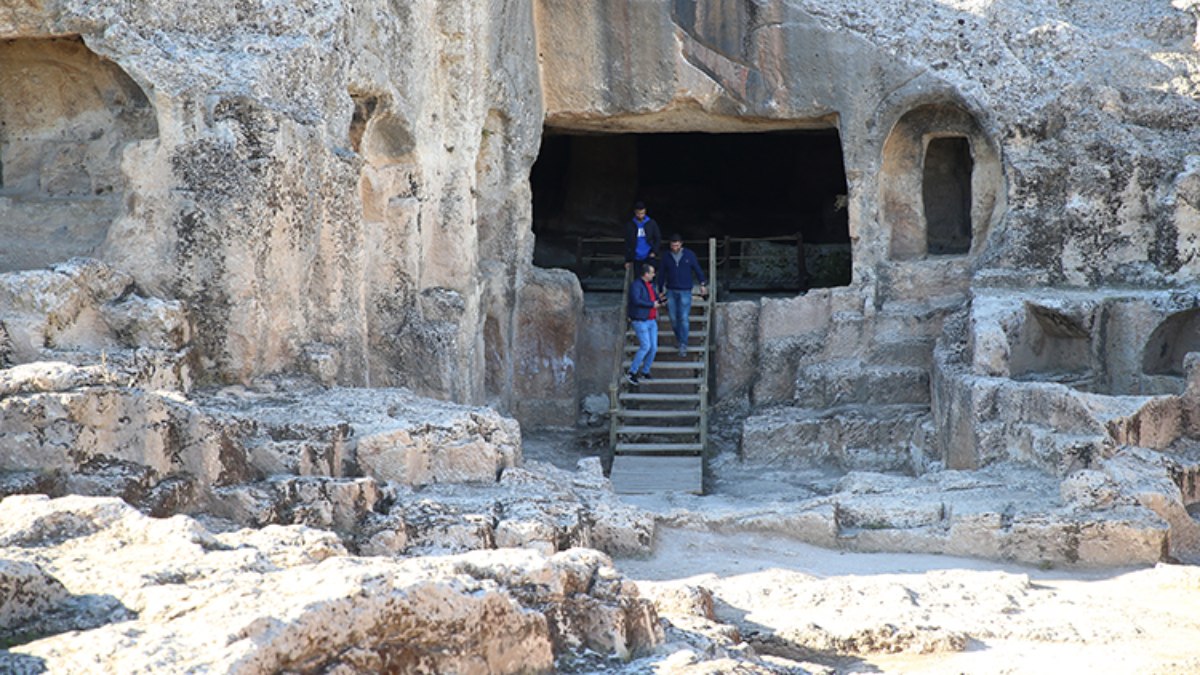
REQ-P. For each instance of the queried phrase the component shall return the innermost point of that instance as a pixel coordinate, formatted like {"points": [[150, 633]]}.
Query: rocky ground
{"points": [[722, 583], [738, 591]]}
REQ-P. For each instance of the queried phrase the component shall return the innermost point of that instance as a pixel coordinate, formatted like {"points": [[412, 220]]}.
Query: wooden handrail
{"points": [[708, 340], [614, 388]]}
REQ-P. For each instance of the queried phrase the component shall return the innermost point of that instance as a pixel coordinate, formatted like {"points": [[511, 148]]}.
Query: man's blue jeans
{"points": [[647, 335], [679, 304]]}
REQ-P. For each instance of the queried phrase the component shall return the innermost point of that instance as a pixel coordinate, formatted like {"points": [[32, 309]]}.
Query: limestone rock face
{"points": [[288, 180], [549, 306], [475, 448], [1004, 512], [289, 598], [536, 506], [1030, 76], [267, 457]]}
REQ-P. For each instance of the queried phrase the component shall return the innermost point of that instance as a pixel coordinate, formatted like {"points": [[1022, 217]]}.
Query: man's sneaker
{"points": [[631, 378], [645, 376], [683, 350]]}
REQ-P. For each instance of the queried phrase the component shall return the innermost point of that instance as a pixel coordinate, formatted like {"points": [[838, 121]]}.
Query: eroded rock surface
{"points": [[256, 601]]}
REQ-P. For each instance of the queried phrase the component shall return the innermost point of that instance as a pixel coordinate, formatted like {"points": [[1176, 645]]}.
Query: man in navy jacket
{"points": [[643, 314], [642, 239], [679, 266]]}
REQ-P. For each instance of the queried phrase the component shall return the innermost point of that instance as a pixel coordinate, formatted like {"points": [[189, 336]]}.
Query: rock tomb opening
{"points": [[1170, 342], [940, 182]]}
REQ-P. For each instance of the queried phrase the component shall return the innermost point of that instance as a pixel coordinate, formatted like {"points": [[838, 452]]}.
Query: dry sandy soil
{"points": [[827, 611], [807, 609]]}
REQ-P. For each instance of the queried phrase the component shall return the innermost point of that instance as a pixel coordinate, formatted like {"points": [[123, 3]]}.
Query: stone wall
{"points": [[341, 186], [1070, 291]]}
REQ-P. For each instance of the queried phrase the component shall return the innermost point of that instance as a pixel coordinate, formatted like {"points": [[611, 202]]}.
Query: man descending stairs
{"points": [[659, 426]]}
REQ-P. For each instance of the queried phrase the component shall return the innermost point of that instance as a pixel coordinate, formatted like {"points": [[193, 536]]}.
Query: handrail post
{"points": [[801, 263], [613, 402], [712, 268], [708, 340]]}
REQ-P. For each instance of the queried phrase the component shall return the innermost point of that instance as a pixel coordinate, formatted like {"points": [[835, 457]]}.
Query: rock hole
{"points": [[376, 132], [1177, 335], [946, 191], [1053, 347], [941, 183]]}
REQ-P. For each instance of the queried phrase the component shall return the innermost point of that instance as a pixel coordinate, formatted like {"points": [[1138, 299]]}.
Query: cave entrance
{"points": [[775, 202]]}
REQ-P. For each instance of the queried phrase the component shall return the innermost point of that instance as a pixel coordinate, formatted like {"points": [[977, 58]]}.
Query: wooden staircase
{"points": [[659, 429]]}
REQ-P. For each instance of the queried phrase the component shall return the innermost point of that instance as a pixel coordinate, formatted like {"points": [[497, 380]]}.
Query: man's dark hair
{"points": [[676, 237], [639, 206], [648, 265]]}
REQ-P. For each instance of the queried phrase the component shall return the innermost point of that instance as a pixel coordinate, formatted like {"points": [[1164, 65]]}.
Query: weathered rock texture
{"points": [[260, 601], [338, 190], [759, 607], [338, 187], [1006, 512], [1065, 305]]}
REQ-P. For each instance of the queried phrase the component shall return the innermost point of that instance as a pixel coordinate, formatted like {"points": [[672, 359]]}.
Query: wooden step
{"points": [[639, 396], [656, 413], [635, 448], [640, 474], [692, 349], [669, 365], [676, 381], [671, 431], [665, 332]]}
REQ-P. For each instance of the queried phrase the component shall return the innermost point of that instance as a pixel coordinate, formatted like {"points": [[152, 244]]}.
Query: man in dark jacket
{"points": [[642, 239], [643, 314], [680, 270]]}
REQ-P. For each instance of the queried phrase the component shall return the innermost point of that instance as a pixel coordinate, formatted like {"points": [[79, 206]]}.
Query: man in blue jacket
{"points": [[642, 239], [679, 266], [643, 314]]}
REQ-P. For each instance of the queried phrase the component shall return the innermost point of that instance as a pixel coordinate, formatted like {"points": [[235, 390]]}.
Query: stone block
{"points": [[858, 438], [735, 341], [837, 383], [473, 448], [785, 318], [548, 315]]}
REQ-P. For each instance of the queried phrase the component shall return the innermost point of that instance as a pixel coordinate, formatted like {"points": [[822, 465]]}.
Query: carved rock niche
{"points": [[66, 115]]}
